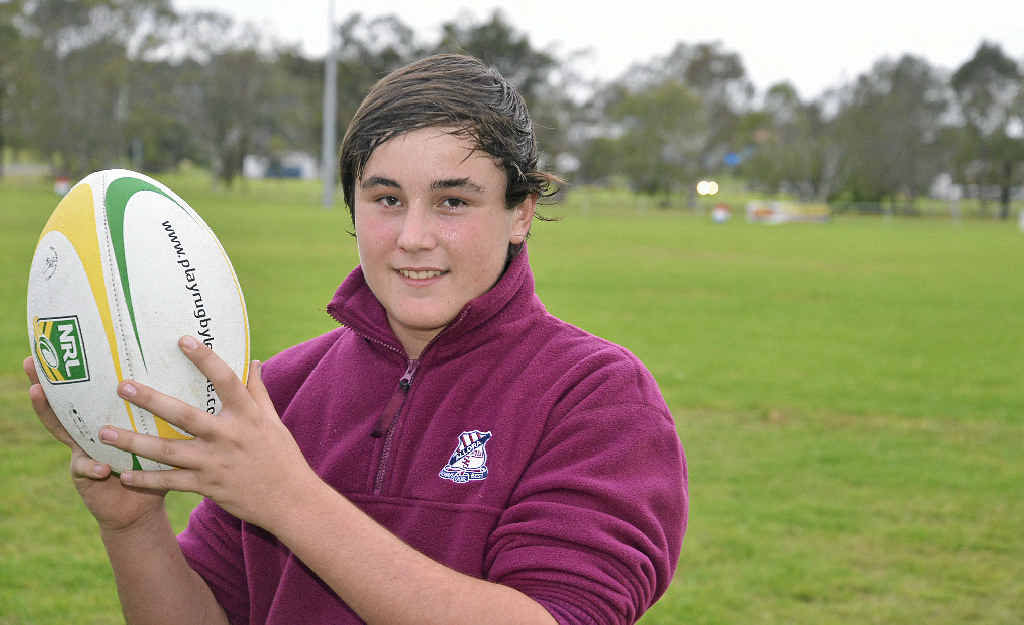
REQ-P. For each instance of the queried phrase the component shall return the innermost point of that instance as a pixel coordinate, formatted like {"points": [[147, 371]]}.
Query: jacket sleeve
{"points": [[594, 528], [212, 544]]}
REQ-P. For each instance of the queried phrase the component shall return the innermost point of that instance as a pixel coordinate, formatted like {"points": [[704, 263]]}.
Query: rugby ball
{"points": [[122, 270]]}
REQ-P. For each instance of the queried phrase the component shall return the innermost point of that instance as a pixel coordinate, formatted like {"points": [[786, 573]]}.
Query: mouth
{"points": [[421, 274]]}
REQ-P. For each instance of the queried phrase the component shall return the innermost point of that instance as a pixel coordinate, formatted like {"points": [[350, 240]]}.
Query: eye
{"points": [[389, 201], [453, 203]]}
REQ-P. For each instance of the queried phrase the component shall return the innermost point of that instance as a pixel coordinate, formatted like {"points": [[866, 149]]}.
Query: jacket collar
{"points": [[355, 306]]}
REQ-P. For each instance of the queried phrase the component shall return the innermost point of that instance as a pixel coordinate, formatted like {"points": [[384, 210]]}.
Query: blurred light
{"points": [[707, 187]]}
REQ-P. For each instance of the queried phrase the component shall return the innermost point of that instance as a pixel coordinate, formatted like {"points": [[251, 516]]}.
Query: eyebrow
{"points": [[379, 181], [456, 183]]}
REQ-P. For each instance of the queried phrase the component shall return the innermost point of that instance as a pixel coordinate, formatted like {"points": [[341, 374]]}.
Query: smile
{"points": [[426, 274]]}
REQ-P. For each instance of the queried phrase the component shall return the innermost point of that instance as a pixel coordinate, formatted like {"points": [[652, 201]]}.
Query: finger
{"points": [[257, 390], [229, 388], [82, 466], [171, 409], [173, 452], [46, 415], [29, 365], [178, 479]]}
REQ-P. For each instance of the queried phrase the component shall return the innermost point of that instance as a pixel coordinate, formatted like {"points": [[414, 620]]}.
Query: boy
{"points": [[452, 453]]}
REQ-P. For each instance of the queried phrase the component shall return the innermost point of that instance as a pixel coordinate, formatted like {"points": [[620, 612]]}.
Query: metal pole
{"points": [[327, 173]]}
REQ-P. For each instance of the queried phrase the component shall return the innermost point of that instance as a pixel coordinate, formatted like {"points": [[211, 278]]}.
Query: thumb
{"points": [[255, 384]]}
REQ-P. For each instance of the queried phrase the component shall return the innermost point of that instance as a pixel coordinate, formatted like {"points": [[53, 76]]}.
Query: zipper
{"points": [[394, 405], [386, 420]]}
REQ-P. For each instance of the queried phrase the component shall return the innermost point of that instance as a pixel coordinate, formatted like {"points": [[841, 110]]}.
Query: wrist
{"points": [[290, 511], [149, 521]]}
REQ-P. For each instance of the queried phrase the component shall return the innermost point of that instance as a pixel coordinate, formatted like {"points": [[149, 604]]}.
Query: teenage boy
{"points": [[451, 454]]}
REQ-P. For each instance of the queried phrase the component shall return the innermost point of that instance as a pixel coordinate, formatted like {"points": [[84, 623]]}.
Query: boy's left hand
{"points": [[244, 459]]}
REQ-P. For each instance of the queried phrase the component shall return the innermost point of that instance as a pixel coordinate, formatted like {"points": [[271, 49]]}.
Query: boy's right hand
{"points": [[116, 507]]}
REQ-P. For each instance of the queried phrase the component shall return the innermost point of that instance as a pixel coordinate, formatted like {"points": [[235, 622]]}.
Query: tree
{"points": [[791, 145], [541, 78], [79, 55], [301, 127], [718, 77], [368, 50], [673, 118], [988, 87], [497, 43], [658, 137], [234, 92], [159, 125], [10, 54], [891, 124], [240, 95]]}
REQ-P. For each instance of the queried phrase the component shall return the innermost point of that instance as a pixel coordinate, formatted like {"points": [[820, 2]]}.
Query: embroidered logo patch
{"points": [[469, 460]]}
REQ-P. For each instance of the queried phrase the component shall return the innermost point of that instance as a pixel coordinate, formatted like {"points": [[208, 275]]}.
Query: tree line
{"points": [[85, 85]]}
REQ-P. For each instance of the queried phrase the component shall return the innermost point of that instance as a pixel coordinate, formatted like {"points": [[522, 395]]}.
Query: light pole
{"points": [[330, 105]]}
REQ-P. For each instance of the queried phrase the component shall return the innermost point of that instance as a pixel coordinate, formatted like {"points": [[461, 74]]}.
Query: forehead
{"points": [[433, 151]]}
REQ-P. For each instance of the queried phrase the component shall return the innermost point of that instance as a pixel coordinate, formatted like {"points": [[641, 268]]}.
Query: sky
{"points": [[815, 45]]}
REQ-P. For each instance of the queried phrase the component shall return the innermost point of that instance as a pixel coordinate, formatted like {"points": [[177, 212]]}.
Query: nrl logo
{"points": [[469, 460], [60, 351]]}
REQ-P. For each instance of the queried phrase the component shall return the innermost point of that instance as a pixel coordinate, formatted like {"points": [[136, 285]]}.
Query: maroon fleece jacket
{"points": [[517, 448]]}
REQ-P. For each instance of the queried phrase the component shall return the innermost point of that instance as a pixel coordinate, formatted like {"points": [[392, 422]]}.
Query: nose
{"points": [[417, 230]]}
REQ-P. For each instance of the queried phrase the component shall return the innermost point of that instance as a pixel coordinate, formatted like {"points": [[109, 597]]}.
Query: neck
{"points": [[413, 341]]}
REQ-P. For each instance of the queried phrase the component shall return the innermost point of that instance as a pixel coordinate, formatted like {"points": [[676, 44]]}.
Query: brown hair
{"points": [[452, 91]]}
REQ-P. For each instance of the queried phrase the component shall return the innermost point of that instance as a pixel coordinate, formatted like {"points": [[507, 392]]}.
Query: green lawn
{"points": [[849, 395]]}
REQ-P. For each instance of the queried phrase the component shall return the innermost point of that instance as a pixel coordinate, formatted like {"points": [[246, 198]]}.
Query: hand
{"points": [[244, 459], [114, 505]]}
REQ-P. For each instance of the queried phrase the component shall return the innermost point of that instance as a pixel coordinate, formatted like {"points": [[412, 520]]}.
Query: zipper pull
{"points": [[394, 405]]}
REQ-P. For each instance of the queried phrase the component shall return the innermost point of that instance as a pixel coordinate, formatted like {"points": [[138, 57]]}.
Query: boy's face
{"points": [[432, 229]]}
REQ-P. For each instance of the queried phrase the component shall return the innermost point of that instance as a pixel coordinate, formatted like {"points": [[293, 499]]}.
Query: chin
{"points": [[421, 322]]}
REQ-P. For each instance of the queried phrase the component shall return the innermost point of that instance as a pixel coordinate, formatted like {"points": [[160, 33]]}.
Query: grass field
{"points": [[849, 395]]}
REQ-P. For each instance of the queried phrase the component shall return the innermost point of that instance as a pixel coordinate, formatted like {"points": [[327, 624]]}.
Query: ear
{"points": [[522, 219]]}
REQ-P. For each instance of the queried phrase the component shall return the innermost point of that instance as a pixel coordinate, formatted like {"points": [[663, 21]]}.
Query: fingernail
{"points": [[257, 368], [126, 477], [98, 470], [108, 435], [189, 342], [128, 389]]}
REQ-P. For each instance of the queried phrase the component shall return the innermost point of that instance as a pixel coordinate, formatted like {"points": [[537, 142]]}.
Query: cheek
{"points": [[481, 243], [371, 249], [371, 232], [486, 253], [449, 235]]}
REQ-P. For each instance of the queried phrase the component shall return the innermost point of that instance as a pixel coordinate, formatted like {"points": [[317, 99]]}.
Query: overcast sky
{"points": [[816, 45]]}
